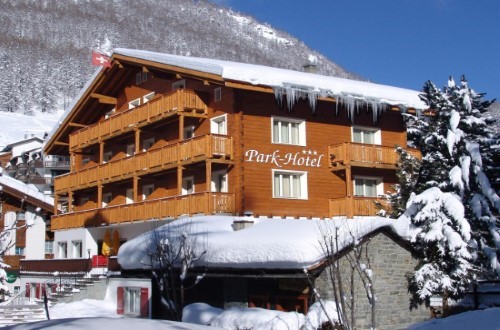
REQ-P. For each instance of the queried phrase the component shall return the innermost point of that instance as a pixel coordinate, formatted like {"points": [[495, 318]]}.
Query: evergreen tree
{"points": [[452, 209]]}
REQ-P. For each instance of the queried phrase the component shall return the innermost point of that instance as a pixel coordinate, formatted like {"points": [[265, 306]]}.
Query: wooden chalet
{"points": [[158, 136]]}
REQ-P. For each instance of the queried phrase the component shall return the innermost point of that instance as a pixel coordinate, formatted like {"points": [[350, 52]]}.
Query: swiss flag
{"points": [[100, 59]]}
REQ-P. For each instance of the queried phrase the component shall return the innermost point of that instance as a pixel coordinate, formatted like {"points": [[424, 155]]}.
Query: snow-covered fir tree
{"points": [[455, 230]]}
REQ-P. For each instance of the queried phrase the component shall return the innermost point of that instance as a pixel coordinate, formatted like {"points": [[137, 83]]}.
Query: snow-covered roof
{"points": [[341, 88], [27, 190], [270, 243]]}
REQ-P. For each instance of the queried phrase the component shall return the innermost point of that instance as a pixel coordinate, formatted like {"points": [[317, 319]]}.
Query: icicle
{"points": [[312, 96], [278, 95], [291, 97]]}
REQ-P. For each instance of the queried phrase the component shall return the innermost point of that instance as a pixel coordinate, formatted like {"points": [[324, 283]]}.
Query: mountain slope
{"points": [[45, 45]]}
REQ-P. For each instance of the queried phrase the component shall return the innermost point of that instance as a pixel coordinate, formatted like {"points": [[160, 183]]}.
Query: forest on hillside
{"points": [[45, 45]]}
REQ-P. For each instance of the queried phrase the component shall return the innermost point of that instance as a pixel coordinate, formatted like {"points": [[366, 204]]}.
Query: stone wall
{"points": [[390, 263]]}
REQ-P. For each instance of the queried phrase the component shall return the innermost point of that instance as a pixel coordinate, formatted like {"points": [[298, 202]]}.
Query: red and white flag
{"points": [[100, 59]]}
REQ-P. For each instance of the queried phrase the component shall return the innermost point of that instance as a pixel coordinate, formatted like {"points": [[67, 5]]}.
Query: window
{"points": [[148, 143], [132, 301], [141, 77], [106, 157], [17, 289], [188, 185], [20, 250], [49, 247], [129, 196], [148, 97], [287, 184], [366, 135], [21, 215], [63, 250], [179, 84], [188, 132], [219, 181], [218, 125], [130, 149], [106, 199], [134, 103], [218, 94], [109, 113], [368, 186], [77, 249], [147, 190], [288, 131]]}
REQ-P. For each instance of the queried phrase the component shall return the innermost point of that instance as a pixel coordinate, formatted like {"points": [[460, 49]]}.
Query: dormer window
{"points": [[148, 97], [141, 77], [134, 103]]}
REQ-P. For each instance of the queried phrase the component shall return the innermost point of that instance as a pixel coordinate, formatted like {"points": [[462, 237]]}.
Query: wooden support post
{"points": [[135, 186], [179, 180], [99, 196], [208, 175], [181, 127], [56, 201], [137, 141], [70, 201], [101, 152]]}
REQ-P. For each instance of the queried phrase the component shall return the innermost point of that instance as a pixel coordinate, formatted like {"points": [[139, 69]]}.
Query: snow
{"points": [[281, 78], [27, 189], [17, 127], [270, 243], [200, 313]]}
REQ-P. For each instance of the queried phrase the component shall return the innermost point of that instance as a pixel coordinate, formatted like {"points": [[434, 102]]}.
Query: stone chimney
{"points": [[310, 67]]}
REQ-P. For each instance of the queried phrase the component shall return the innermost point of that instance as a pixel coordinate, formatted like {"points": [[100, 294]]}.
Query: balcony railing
{"points": [[355, 206], [60, 164], [176, 102], [365, 155], [202, 147], [81, 265], [205, 202]]}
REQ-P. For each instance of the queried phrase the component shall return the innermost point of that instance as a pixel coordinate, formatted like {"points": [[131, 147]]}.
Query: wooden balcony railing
{"points": [[205, 202], [198, 148], [177, 101], [12, 260], [365, 155], [355, 206]]}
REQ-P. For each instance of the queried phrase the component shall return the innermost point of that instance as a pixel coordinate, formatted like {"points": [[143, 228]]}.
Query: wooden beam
{"points": [[145, 69], [178, 76], [104, 98], [76, 125], [120, 66], [58, 143]]}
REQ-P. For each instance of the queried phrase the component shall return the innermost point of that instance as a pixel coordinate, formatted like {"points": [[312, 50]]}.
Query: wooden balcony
{"points": [[196, 149], [13, 261], [205, 202], [365, 155], [179, 101], [355, 206], [82, 265]]}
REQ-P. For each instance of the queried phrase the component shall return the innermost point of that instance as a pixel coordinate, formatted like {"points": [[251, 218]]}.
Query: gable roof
{"points": [[282, 82], [27, 193]]}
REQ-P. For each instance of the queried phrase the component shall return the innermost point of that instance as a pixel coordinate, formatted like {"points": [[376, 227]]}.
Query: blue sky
{"points": [[396, 42]]}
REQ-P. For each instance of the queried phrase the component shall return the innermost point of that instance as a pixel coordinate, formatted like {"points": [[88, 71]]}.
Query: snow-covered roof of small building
{"points": [[29, 191], [341, 88], [270, 243]]}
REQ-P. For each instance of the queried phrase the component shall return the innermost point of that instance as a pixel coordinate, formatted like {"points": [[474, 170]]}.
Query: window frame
{"points": [[148, 97], [130, 149], [106, 156], [303, 180], [60, 250], [218, 94], [127, 302], [188, 129], [185, 190], [302, 141], [108, 197], [214, 124], [377, 136], [224, 185], [77, 252], [149, 141], [379, 187], [134, 103]]}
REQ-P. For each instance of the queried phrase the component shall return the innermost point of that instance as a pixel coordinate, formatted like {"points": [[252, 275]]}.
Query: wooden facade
{"points": [[153, 141]]}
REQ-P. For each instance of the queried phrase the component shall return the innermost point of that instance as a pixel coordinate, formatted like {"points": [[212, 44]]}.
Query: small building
{"points": [[276, 264]]}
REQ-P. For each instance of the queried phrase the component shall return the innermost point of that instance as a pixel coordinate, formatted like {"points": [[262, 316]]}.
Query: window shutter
{"points": [[28, 289], [38, 291], [119, 300], [144, 302]]}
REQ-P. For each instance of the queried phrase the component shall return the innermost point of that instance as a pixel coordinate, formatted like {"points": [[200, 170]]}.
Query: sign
{"points": [[11, 277], [308, 158]]}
